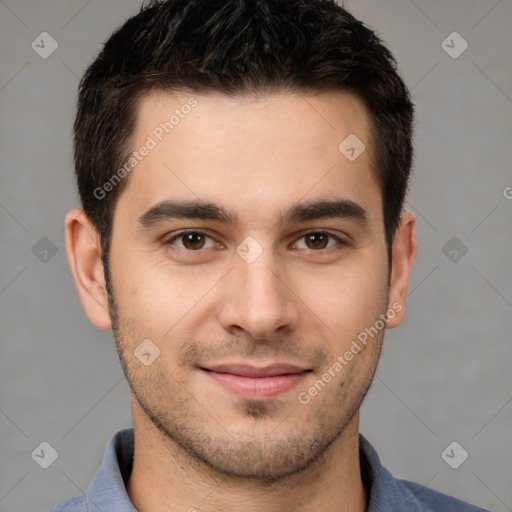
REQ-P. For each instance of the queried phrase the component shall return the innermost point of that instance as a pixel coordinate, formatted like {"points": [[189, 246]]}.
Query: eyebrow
{"points": [[202, 210]]}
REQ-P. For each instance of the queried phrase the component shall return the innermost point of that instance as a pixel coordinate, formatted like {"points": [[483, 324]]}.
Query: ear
{"points": [[84, 254], [404, 253]]}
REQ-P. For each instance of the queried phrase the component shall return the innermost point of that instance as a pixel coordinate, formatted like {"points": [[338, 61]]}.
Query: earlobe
{"points": [[404, 253], [84, 254]]}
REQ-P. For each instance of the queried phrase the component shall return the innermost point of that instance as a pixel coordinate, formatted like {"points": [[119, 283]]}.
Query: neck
{"points": [[167, 479]]}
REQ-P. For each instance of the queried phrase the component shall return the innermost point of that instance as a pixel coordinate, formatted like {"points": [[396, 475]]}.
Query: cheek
{"points": [[141, 293], [350, 299], [158, 298]]}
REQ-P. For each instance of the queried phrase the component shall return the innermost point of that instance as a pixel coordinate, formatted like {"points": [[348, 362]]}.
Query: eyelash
{"points": [[170, 241]]}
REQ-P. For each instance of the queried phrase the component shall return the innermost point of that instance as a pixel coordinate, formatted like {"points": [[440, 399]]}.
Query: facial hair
{"points": [[259, 453]]}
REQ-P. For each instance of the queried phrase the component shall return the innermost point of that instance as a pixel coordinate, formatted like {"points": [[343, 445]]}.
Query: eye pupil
{"points": [[319, 240], [193, 240]]}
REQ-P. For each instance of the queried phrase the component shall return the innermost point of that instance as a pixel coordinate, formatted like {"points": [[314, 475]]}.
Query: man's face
{"points": [[244, 294]]}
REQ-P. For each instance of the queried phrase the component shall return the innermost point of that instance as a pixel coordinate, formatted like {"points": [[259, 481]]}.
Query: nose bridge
{"points": [[259, 300], [261, 281]]}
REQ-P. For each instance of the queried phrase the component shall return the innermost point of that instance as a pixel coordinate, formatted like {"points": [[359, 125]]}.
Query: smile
{"points": [[256, 383]]}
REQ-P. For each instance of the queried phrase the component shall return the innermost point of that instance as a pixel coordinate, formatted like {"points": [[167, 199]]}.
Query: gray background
{"points": [[444, 374]]}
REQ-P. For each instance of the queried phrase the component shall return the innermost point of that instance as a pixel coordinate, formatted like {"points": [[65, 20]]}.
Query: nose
{"points": [[259, 299]]}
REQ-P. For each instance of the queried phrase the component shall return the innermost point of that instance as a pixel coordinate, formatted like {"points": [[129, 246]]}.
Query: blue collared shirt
{"points": [[107, 491]]}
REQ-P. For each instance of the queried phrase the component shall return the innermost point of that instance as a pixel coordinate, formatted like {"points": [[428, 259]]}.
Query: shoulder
{"points": [[106, 491], [390, 493], [429, 500]]}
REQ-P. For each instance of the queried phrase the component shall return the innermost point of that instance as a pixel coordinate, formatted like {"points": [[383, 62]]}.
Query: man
{"points": [[242, 167]]}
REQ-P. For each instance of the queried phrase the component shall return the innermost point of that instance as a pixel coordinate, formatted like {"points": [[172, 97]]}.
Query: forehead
{"points": [[250, 149]]}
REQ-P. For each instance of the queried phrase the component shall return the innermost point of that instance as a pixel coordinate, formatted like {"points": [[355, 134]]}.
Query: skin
{"points": [[197, 445]]}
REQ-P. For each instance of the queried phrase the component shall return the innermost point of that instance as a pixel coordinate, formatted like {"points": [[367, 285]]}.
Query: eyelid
{"points": [[169, 241], [340, 241]]}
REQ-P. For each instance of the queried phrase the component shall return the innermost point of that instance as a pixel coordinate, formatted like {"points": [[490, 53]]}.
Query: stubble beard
{"points": [[263, 454]]}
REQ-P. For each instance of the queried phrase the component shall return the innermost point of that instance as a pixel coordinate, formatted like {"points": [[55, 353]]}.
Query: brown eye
{"points": [[319, 240], [190, 241], [193, 241]]}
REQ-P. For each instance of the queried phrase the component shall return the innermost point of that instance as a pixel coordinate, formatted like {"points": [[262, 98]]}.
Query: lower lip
{"points": [[257, 388]]}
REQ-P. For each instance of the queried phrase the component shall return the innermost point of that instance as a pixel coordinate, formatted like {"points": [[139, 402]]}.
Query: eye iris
{"points": [[193, 240], [319, 240]]}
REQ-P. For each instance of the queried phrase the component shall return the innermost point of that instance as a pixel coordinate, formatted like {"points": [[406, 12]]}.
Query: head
{"points": [[237, 112]]}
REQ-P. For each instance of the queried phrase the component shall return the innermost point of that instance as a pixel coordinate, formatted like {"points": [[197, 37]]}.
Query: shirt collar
{"points": [[107, 490], [384, 490]]}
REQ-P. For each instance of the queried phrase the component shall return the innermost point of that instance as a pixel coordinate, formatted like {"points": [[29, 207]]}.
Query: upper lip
{"points": [[254, 371]]}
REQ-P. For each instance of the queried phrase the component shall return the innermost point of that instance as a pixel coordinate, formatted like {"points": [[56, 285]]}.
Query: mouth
{"points": [[256, 383]]}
